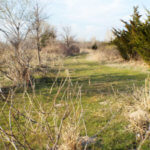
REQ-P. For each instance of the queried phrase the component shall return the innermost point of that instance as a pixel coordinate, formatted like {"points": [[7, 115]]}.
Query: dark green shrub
{"points": [[46, 36], [125, 39], [142, 40], [94, 46]]}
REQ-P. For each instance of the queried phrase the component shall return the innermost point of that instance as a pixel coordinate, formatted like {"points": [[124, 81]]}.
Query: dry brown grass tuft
{"points": [[138, 114], [69, 137], [52, 55]]}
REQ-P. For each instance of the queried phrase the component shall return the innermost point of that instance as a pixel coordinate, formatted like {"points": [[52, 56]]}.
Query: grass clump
{"points": [[138, 114]]}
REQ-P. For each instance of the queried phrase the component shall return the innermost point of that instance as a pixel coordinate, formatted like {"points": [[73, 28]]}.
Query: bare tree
{"points": [[67, 36], [15, 27], [20, 18], [41, 30], [69, 46], [15, 24]]}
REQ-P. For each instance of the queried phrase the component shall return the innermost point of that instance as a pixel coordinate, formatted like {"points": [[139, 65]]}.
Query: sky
{"points": [[91, 18]]}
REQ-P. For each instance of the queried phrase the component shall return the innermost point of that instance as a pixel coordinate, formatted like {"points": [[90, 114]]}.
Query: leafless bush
{"points": [[16, 68], [15, 22], [56, 125], [68, 46], [20, 18], [70, 51], [67, 37], [15, 27]]}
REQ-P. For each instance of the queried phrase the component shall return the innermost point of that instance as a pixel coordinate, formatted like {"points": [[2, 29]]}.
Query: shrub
{"points": [[94, 46], [71, 50], [54, 126], [125, 39], [142, 41], [16, 68], [134, 40], [49, 34]]}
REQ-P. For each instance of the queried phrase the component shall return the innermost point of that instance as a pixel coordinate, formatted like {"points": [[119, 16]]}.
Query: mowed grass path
{"points": [[100, 79], [105, 91]]}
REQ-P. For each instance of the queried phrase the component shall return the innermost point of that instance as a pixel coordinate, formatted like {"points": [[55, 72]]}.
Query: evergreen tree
{"points": [[142, 39], [125, 38]]}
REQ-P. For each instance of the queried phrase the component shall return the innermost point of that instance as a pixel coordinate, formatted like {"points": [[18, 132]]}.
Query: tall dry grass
{"points": [[138, 114], [110, 56], [105, 53]]}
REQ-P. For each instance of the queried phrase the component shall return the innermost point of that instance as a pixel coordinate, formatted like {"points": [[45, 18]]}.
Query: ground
{"points": [[105, 91], [105, 87]]}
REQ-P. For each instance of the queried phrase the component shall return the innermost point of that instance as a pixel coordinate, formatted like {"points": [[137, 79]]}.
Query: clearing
{"points": [[105, 91]]}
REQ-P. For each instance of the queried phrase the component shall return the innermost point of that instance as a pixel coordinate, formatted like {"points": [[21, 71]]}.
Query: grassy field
{"points": [[105, 92]]}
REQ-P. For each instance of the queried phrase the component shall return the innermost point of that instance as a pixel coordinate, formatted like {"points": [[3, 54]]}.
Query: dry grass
{"points": [[133, 65], [16, 67], [70, 136], [105, 53], [20, 68], [109, 55], [138, 113], [50, 56], [59, 126]]}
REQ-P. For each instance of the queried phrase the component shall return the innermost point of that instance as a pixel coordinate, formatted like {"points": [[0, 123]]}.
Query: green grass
{"points": [[104, 89], [102, 77], [101, 99]]}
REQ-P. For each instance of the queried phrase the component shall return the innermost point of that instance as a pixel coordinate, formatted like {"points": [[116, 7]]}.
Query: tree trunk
{"points": [[39, 56], [17, 48]]}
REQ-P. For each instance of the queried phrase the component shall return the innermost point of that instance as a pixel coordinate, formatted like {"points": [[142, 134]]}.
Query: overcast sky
{"points": [[91, 18]]}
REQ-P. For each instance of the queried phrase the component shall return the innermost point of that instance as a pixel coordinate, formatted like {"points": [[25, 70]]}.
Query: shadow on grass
{"points": [[91, 84], [105, 83], [98, 84], [80, 55]]}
